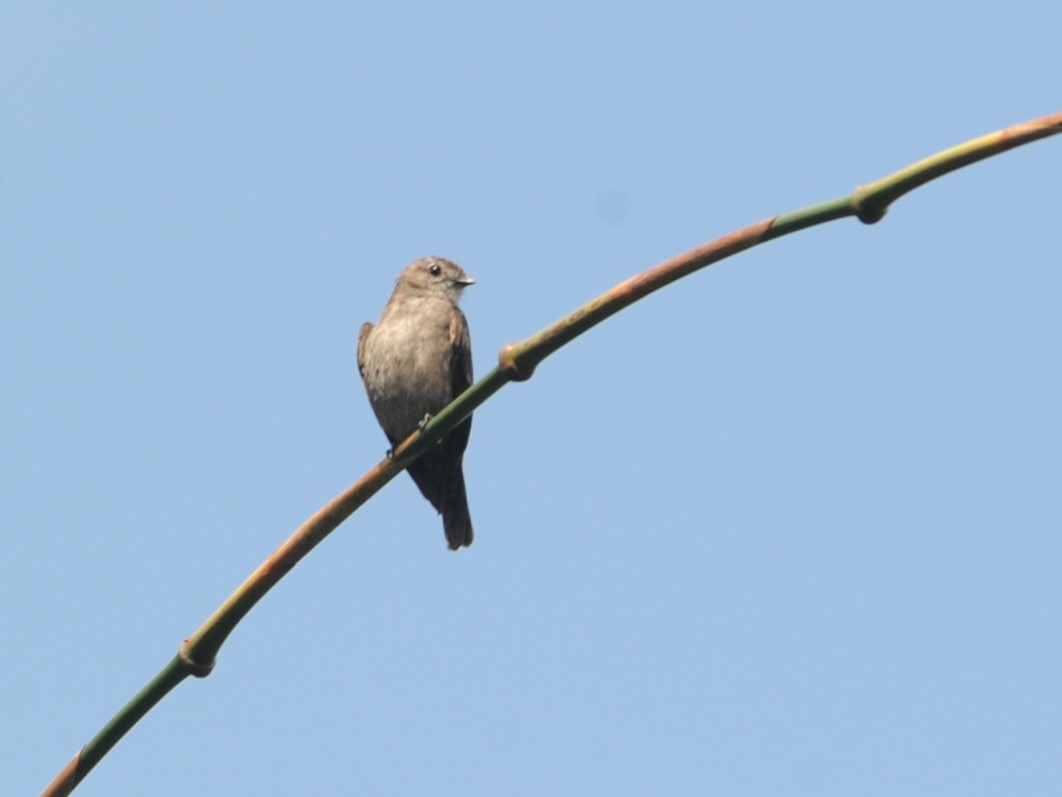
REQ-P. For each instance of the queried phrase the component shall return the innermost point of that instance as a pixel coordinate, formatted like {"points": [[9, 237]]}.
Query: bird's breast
{"points": [[407, 369]]}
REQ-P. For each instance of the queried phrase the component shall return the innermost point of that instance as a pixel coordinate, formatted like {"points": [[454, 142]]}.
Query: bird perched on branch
{"points": [[415, 361]]}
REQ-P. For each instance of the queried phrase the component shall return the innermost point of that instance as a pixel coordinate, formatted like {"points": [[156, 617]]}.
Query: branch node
{"points": [[868, 210], [194, 667], [511, 368]]}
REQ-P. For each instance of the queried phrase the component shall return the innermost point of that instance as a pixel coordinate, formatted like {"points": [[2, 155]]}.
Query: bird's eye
{"points": [[435, 270]]}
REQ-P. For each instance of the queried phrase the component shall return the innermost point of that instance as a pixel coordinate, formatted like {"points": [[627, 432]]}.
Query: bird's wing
{"points": [[460, 354], [363, 336], [460, 380]]}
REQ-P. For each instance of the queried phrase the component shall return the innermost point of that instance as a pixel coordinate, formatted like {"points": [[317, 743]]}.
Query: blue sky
{"points": [[790, 526]]}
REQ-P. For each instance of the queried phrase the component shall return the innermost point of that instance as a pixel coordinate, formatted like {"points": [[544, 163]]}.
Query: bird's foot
{"points": [[424, 421]]}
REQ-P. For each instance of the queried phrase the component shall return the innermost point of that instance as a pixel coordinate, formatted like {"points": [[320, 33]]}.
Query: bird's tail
{"points": [[457, 523], [443, 484]]}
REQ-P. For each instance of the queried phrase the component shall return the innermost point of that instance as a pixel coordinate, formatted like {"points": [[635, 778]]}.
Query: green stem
{"points": [[130, 714]]}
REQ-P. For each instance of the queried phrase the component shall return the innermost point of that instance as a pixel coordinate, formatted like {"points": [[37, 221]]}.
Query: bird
{"points": [[414, 361]]}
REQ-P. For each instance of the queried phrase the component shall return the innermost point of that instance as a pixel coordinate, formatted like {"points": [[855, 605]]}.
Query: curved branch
{"points": [[517, 362]]}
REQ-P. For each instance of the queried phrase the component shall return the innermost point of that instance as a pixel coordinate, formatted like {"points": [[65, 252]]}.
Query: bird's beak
{"points": [[464, 283]]}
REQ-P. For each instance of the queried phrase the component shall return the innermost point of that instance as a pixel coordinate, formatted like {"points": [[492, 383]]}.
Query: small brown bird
{"points": [[414, 362]]}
